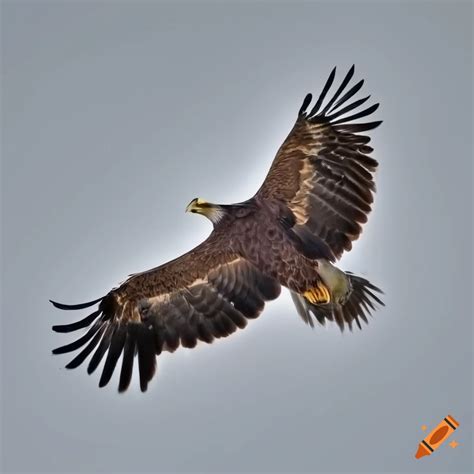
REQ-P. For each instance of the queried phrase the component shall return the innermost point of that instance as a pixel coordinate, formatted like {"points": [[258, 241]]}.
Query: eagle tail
{"points": [[362, 301]]}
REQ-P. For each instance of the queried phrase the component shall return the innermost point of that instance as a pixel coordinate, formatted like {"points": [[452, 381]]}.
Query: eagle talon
{"points": [[318, 295]]}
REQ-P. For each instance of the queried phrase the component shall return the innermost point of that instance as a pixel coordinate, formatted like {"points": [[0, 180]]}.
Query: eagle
{"points": [[308, 211]]}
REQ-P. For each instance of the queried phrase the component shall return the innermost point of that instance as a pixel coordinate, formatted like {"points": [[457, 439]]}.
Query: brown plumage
{"points": [[310, 208]]}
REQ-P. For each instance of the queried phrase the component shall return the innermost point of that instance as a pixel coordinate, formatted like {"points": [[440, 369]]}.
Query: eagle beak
{"points": [[192, 206]]}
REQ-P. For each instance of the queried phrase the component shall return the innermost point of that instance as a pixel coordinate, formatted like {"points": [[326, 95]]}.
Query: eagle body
{"points": [[260, 236], [252, 231], [308, 211]]}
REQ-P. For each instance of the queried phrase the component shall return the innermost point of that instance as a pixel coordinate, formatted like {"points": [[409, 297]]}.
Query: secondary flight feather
{"points": [[310, 208]]}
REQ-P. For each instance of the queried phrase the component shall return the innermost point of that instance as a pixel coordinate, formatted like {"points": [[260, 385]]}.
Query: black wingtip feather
{"points": [[64, 328], [347, 109], [307, 100], [79, 342], [116, 347], [341, 88], [358, 115], [81, 357], [325, 90], [332, 109], [357, 127], [127, 360], [68, 307], [101, 349], [351, 92], [146, 356]]}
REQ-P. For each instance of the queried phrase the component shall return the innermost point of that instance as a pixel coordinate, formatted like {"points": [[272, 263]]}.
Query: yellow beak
{"points": [[193, 205]]}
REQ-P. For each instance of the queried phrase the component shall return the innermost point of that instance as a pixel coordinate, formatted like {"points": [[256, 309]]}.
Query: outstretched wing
{"points": [[323, 170], [205, 294]]}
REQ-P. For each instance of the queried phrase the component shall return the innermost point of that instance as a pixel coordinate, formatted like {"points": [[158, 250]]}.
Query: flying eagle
{"points": [[308, 211]]}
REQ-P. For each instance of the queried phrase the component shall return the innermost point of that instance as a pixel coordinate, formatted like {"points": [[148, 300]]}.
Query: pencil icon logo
{"points": [[437, 437]]}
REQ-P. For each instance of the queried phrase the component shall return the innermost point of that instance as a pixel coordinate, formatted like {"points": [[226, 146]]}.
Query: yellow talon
{"points": [[309, 296], [318, 295]]}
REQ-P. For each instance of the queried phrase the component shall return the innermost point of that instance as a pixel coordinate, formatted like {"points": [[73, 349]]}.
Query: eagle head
{"points": [[214, 212]]}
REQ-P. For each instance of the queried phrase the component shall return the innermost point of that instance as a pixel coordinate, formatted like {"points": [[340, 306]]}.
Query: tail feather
{"points": [[361, 303], [302, 308]]}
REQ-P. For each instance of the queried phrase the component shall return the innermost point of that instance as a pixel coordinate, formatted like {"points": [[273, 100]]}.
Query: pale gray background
{"points": [[116, 115]]}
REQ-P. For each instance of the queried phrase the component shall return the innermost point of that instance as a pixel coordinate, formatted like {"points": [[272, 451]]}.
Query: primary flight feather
{"points": [[309, 210]]}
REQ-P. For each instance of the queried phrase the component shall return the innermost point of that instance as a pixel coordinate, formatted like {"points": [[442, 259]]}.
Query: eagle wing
{"points": [[205, 294], [323, 171]]}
